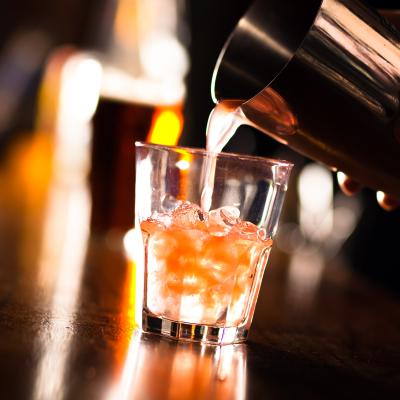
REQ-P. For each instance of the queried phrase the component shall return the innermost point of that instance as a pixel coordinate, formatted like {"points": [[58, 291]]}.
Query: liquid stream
{"points": [[223, 122]]}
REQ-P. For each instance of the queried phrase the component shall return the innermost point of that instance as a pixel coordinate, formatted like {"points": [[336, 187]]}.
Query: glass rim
{"points": [[203, 152]]}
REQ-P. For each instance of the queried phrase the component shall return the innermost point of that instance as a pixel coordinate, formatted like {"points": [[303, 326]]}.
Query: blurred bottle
{"points": [[136, 47], [144, 65]]}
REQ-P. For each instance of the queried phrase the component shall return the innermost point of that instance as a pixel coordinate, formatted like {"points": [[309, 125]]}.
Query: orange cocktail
{"points": [[201, 267], [207, 221]]}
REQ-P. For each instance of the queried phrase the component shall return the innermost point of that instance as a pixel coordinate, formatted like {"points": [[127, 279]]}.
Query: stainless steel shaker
{"points": [[323, 77]]}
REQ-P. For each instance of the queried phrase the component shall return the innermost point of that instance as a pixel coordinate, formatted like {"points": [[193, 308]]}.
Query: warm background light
{"points": [[166, 126]]}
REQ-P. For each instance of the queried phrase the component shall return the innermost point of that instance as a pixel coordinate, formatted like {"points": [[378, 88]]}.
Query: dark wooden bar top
{"points": [[67, 310]]}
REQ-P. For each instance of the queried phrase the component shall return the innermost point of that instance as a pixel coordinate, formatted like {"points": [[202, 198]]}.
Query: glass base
{"points": [[193, 332]]}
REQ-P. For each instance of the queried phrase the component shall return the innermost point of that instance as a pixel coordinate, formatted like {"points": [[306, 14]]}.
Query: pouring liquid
{"points": [[224, 120]]}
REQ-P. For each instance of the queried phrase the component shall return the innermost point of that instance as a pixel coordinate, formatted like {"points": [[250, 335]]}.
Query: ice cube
{"points": [[170, 203], [262, 234], [230, 215], [216, 224], [187, 215], [191, 309], [247, 230], [161, 244], [162, 219], [221, 220], [151, 225]]}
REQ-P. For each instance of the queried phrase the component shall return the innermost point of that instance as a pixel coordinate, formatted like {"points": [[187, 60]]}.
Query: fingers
{"points": [[387, 202], [349, 186]]}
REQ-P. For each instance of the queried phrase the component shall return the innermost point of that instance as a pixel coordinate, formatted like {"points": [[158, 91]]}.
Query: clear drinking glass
{"points": [[207, 222]]}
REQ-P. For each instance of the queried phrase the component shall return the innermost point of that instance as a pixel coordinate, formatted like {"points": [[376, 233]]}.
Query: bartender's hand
{"points": [[350, 187]]}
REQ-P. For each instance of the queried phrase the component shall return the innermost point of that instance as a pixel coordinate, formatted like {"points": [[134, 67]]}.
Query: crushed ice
{"points": [[218, 222]]}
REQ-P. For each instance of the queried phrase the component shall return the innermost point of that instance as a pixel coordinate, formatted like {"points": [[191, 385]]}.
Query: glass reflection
{"points": [[325, 221], [61, 264], [156, 368], [66, 222]]}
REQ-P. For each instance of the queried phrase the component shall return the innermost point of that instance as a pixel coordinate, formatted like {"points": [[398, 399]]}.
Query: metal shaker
{"points": [[323, 77]]}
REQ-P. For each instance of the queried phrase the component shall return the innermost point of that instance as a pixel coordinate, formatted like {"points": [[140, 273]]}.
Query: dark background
{"points": [[86, 24], [372, 249], [210, 23]]}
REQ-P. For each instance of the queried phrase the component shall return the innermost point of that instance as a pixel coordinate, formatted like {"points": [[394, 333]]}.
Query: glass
{"points": [[203, 269]]}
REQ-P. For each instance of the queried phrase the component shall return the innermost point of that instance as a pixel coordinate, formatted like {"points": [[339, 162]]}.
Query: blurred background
{"points": [[80, 81]]}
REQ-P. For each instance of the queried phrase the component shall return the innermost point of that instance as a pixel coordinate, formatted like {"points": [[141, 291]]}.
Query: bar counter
{"points": [[67, 313]]}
